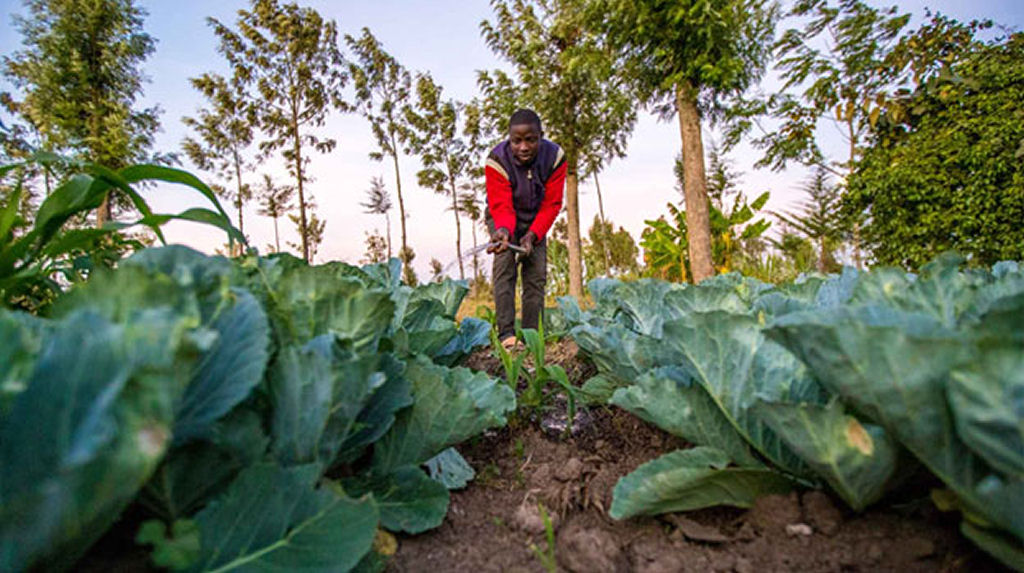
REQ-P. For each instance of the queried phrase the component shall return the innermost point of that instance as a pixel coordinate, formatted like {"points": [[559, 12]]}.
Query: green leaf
{"points": [[447, 292], [450, 469], [851, 349], [193, 473], [377, 418], [195, 214], [408, 499], [9, 213], [88, 430], [684, 480], [136, 173], [597, 390], [473, 333], [275, 519], [857, 460], [20, 341], [1006, 549], [451, 405], [317, 392], [177, 552], [987, 398], [310, 301], [78, 194], [669, 398], [229, 370], [730, 358]]}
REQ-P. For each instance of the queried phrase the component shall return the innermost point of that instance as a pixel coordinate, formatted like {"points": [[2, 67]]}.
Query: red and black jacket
{"points": [[523, 198]]}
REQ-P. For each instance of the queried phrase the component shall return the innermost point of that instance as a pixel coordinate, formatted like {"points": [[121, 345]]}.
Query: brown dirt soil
{"points": [[494, 524]]}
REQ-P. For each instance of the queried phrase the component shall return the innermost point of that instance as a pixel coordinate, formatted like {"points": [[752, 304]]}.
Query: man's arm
{"points": [[499, 196], [552, 203]]}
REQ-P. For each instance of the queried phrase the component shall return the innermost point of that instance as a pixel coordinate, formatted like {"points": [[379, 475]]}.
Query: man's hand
{"points": [[527, 243], [501, 237]]}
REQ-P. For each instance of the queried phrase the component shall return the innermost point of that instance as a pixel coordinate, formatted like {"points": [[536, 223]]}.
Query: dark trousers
{"points": [[534, 271]]}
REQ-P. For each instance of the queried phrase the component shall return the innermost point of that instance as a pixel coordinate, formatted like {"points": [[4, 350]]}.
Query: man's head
{"points": [[524, 134]]}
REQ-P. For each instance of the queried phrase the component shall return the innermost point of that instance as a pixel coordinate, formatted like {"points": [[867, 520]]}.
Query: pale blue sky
{"points": [[441, 37]]}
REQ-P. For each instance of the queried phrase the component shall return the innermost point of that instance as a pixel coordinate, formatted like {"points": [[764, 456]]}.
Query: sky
{"points": [[441, 37]]}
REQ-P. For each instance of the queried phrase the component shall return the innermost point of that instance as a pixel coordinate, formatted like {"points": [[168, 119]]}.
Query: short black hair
{"points": [[525, 117]]}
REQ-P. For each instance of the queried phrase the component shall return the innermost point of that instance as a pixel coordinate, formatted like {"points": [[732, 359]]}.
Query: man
{"points": [[525, 180]]}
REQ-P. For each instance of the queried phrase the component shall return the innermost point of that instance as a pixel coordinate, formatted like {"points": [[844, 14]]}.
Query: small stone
{"points": [[821, 513], [746, 532], [697, 532], [571, 470], [743, 565], [919, 547], [527, 518], [771, 513], [799, 529], [723, 562], [582, 550]]}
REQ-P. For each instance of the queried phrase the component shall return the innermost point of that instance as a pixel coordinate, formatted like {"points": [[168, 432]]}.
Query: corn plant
{"points": [[34, 264], [544, 374]]}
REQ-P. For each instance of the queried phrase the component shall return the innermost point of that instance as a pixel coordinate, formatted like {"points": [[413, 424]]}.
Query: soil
{"points": [[495, 523]]}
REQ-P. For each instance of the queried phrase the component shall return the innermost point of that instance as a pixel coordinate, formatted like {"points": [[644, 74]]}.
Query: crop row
{"points": [[265, 413], [846, 381]]}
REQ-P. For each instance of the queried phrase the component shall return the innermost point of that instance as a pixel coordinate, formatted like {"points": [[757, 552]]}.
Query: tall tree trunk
{"points": [[303, 224], [104, 211], [277, 239], [849, 171], [572, 210], [604, 229], [476, 254], [238, 181], [387, 227], [401, 201], [458, 229], [698, 226]]}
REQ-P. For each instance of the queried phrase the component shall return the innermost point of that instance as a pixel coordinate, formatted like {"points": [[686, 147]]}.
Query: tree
{"points": [[558, 258], [275, 202], [838, 61], [436, 271], [734, 232], [80, 74], [290, 56], [376, 249], [443, 153], [378, 202], [482, 130], [470, 206], [566, 72], [945, 171], [819, 219], [383, 88], [687, 59], [224, 133], [606, 245], [311, 235]]}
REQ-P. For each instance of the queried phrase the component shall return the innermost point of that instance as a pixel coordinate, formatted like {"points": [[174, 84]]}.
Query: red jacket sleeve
{"points": [[499, 198], [552, 203]]}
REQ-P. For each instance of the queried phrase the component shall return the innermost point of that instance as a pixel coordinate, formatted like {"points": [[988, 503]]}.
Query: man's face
{"points": [[525, 141]]}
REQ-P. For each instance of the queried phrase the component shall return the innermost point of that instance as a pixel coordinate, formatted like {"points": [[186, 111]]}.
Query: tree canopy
{"points": [[945, 170]]}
